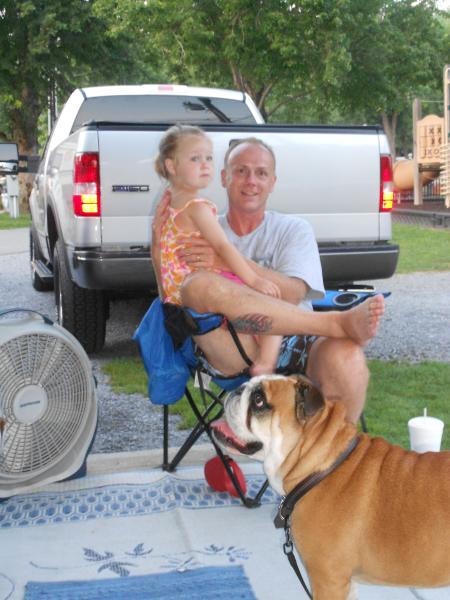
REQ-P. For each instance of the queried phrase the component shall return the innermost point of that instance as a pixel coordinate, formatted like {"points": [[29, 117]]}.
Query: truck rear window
{"points": [[163, 109]]}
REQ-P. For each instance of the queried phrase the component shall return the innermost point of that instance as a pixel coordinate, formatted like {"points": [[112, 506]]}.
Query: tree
{"points": [[268, 48], [47, 44], [397, 47]]}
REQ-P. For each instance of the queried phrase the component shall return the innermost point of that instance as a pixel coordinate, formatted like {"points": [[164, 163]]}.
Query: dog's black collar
{"points": [[288, 502]]}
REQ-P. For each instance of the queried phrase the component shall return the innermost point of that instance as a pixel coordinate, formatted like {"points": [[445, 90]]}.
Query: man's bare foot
{"points": [[361, 322]]}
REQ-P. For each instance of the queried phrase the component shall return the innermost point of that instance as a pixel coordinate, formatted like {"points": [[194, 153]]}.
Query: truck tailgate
{"points": [[336, 175]]}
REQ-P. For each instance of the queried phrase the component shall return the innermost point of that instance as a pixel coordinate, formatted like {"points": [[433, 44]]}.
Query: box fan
{"points": [[48, 405]]}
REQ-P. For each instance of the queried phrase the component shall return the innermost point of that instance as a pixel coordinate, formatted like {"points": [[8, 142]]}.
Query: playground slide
{"points": [[403, 174]]}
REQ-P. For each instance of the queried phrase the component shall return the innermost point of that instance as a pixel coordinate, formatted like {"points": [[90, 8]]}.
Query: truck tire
{"points": [[82, 312], [37, 282]]}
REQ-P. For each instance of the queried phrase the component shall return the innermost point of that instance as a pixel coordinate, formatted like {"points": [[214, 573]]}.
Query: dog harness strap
{"points": [[288, 549], [283, 517]]}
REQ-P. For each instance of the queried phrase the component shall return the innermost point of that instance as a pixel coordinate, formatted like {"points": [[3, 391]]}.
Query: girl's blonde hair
{"points": [[169, 144]]}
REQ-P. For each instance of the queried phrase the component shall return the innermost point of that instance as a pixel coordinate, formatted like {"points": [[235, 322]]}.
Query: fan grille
{"points": [[51, 363]]}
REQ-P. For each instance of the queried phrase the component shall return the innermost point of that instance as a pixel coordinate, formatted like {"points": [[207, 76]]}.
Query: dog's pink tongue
{"points": [[223, 427]]}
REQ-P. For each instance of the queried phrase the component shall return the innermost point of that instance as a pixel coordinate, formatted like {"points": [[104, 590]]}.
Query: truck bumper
{"points": [[110, 270], [132, 270], [348, 263]]}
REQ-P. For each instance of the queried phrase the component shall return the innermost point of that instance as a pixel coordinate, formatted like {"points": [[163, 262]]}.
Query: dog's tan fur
{"points": [[382, 517]]}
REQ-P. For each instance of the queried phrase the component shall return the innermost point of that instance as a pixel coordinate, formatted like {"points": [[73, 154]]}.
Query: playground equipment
{"points": [[431, 156], [403, 175]]}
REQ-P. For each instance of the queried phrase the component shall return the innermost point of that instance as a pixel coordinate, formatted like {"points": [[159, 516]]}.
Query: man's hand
{"points": [[266, 287], [198, 254]]}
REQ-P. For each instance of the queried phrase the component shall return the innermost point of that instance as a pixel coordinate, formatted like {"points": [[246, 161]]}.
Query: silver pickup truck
{"points": [[96, 191]]}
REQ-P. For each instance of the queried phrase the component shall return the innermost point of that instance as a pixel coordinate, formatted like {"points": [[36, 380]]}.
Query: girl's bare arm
{"points": [[206, 223], [159, 219], [199, 254]]}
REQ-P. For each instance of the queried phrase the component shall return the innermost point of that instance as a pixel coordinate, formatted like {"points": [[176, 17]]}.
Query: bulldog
{"points": [[372, 512]]}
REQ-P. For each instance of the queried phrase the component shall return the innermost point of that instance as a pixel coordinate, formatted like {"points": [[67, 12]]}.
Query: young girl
{"points": [[185, 160]]}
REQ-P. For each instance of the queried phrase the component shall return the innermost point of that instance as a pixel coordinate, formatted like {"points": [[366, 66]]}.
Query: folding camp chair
{"points": [[167, 350], [170, 360]]}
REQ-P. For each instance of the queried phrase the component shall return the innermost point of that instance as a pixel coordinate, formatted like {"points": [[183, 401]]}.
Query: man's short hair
{"points": [[249, 140]]}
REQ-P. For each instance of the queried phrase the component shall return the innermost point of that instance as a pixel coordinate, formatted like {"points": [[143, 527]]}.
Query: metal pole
{"points": [[446, 140], [417, 115], [12, 189]]}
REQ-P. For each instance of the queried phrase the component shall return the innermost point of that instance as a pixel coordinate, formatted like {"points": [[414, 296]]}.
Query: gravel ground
{"points": [[415, 328]]}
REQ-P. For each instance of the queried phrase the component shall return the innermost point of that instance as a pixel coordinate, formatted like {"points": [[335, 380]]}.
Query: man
{"points": [[335, 359]]}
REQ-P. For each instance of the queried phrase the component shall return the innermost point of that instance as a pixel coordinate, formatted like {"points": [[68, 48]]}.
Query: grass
{"points": [[421, 248], [6, 222], [397, 392], [127, 376]]}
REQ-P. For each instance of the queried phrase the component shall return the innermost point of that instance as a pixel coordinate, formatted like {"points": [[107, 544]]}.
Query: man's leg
{"points": [[254, 313], [223, 354], [339, 367]]}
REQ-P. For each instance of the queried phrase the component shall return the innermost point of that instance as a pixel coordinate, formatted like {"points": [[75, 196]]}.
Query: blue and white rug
{"points": [[149, 534], [129, 525]]}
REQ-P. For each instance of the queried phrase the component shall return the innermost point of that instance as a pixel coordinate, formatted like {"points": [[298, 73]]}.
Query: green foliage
{"points": [[318, 61], [398, 50], [265, 47], [422, 249], [399, 391], [52, 44]]}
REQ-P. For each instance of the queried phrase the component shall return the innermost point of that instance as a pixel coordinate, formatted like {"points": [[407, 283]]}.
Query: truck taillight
{"points": [[386, 184], [86, 185]]}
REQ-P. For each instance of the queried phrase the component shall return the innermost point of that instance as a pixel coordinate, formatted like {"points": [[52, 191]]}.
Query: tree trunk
{"points": [[390, 129], [24, 125]]}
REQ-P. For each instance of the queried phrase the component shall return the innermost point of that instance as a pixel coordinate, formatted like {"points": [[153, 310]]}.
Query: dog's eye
{"points": [[258, 399]]}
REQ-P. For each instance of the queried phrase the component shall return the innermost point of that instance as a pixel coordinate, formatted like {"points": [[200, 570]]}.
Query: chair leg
{"points": [[165, 465], [246, 501], [204, 420]]}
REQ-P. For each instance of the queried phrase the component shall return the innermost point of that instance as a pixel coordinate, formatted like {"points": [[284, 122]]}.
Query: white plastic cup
{"points": [[425, 434]]}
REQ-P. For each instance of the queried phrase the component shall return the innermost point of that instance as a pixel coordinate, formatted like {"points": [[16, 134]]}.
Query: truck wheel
{"points": [[39, 284], [83, 312]]}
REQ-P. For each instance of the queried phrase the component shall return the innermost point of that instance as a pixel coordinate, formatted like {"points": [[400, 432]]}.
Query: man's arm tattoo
{"points": [[252, 323]]}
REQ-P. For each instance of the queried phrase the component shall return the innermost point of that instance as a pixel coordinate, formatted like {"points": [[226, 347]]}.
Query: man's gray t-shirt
{"points": [[285, 244]]}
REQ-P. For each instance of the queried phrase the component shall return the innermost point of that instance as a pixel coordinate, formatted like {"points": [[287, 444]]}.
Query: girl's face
{"points": [[192, 167]]}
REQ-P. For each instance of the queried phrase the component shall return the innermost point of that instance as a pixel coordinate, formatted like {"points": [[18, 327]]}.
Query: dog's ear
{"points": [[308, 398]]}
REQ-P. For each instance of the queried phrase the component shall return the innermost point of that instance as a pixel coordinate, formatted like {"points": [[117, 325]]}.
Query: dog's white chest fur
{"points": [[274, 457]]}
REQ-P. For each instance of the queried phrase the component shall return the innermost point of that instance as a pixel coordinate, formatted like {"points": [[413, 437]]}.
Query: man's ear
{"points": [[308, 399], [273, 183], [223, 178]]}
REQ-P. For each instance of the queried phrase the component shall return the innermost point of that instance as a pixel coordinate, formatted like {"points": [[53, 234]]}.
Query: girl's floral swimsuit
{"points": [[173, 270]]}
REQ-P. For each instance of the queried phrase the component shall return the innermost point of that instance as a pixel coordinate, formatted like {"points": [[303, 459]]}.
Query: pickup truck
{"points": [[96, 190]]}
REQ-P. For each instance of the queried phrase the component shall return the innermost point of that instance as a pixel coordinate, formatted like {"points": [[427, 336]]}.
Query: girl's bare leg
{"points": [[266, 361]]}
